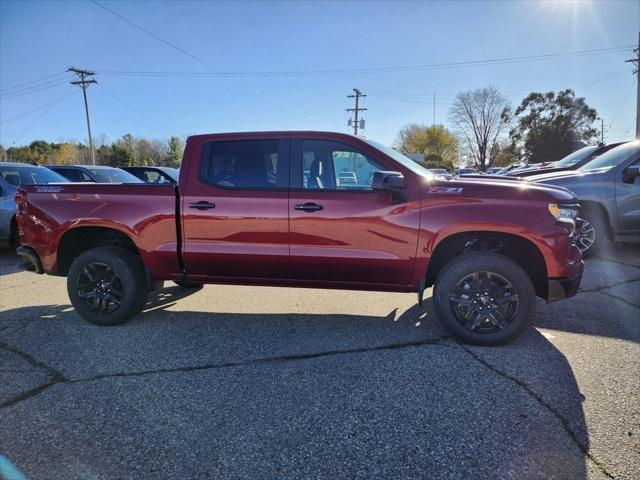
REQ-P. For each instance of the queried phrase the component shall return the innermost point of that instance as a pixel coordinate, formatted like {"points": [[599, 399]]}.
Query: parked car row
{"points": [[12, 175]]}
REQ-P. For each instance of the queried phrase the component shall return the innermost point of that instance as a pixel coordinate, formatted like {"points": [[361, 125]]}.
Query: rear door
{"points": [[235, 216], [342, 230]]}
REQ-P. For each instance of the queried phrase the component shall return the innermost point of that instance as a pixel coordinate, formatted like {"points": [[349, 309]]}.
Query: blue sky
{"points": [[38, 39]]}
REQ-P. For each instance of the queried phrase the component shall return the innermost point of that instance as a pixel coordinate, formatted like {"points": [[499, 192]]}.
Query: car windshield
{"points": [[400, 158], [113, 175], [613, 157], [29, 175], [576, 156], [439, 171]]}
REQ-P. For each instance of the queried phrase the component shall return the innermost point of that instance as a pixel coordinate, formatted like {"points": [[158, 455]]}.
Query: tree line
{"points": [[126, 151], [487, 131]]}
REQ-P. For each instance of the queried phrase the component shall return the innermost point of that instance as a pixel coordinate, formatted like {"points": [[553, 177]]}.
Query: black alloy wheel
{"points": [[484, 302], [100, 287]]}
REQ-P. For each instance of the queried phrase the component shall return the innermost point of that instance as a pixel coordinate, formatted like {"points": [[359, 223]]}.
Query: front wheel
{"points": [[107, 285], [590, 232], [484, 298]]}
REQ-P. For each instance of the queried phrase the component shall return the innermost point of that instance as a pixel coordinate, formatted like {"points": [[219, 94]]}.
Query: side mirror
{"points": [[385, 180], [632, 171]]}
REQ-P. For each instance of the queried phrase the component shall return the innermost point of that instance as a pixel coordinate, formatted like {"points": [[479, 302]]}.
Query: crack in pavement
{"points": [[54, 376], [605, 287], [57, 377], [564, 422]]}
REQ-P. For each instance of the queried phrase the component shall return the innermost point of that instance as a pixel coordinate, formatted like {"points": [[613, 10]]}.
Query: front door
{"points": [[235, 217], [341, 229]]}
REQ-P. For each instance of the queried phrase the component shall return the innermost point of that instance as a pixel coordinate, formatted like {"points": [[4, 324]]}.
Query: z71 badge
{"points": [[454, 190]]}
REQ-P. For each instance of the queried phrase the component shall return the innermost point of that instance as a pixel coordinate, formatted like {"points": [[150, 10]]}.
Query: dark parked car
{"points": [[573, 161], [608, 189], [154, 174], [94, 174], [12, 175]]}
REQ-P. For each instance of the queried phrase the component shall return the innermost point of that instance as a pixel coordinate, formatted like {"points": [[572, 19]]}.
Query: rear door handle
{"points": [[308, 207], [202, 205]]}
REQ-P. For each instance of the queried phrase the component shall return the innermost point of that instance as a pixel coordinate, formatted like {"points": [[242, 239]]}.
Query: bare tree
{"points": [[478, 118]]}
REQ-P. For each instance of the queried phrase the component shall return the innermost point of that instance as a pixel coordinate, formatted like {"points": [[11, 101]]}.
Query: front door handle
{"points": [[202, 205], [309, 207]]}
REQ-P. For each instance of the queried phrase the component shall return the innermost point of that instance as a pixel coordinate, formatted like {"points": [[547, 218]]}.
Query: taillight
{"points": [[21, 200]]}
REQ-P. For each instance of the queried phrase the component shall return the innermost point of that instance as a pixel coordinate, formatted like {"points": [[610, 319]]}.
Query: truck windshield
{"points": [[29, 175], [613, 157], [114, 175], [576, 156], [404, 161]]}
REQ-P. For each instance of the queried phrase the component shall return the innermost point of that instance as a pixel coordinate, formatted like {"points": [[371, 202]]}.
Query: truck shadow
{"points": [[364, 390]]}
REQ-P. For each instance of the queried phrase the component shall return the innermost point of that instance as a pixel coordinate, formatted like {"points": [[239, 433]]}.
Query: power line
{"points": [[126, 115], [624, 101], [32, 81], [31, 90], [36, 109], [157, 37], [31, 125], [369, 70], [142, 114]]}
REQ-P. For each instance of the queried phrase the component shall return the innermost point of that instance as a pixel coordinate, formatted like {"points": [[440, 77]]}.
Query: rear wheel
{"points": [[484, 298], [107, 285]]}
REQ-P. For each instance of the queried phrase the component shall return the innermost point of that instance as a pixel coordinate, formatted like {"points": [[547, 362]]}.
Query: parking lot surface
{"points": [[245, 382]]}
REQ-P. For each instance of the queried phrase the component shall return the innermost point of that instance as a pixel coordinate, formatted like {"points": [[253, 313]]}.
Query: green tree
{"points": [[121, 156], [551, 126], [174, 152], [63, 154], [438, 145]]}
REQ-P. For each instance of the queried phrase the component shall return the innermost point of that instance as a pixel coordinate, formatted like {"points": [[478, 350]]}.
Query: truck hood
{"points": [[501, 188], [566, 177]]}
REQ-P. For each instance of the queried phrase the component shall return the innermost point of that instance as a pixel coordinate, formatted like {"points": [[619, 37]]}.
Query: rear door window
{"points": [[246, 164]]}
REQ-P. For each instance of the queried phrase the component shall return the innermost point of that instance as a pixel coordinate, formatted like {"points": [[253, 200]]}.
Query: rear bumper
{"points": [[561, 288], [32, 260]]}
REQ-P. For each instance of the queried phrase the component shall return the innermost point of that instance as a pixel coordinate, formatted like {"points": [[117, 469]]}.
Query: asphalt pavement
{"points": [[246, 382]]}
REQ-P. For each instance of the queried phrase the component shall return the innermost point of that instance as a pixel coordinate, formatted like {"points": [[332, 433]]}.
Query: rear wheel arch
{"points": [[78, 240], [515, 247]]}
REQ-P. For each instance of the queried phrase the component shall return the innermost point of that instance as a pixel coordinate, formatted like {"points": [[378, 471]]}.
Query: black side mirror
{"points": [[632, 171], [390, 181], [385, 180]]}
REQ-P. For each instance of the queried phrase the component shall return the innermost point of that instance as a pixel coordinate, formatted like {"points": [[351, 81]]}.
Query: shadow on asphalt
{"points": [[514, 411]]}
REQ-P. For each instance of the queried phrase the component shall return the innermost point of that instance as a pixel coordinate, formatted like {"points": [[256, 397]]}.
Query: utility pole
{"points": [[434, 109], [636, 63], [84, 84], [356, 123], [602, 130]]}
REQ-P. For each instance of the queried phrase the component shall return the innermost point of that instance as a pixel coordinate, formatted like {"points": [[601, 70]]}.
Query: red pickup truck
{"points": [[270, 208]]}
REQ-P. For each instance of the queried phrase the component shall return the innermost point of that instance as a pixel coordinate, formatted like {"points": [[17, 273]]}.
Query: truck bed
{"points": [[146, 213]]}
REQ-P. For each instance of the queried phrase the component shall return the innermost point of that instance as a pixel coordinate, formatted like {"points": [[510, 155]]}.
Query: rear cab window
{"points": [[260, 164]]}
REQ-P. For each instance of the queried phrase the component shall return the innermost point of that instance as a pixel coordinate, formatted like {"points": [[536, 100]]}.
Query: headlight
{"points": [[564, 213]]}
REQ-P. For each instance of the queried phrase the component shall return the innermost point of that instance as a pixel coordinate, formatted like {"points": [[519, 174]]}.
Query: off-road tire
{"points": [[466, 264], [131, 273]]}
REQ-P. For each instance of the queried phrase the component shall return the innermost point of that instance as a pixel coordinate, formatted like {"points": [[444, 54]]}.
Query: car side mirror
{"points": [[385, 180], [632, 171], [390, 181]]}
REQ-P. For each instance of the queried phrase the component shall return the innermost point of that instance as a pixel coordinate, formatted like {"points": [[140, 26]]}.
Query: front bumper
{"points": [[561, 288]]}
